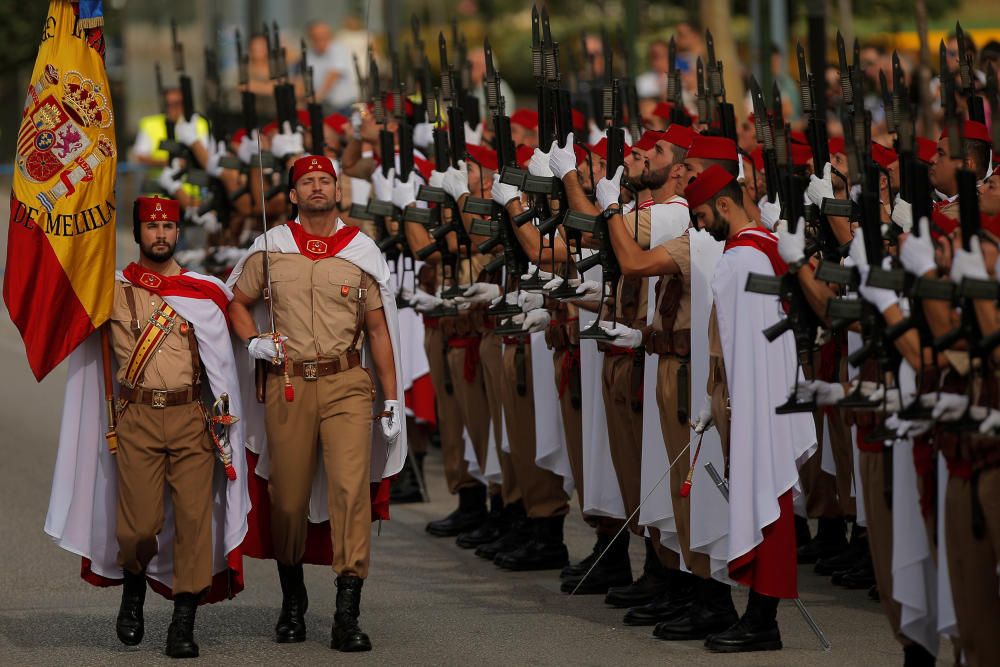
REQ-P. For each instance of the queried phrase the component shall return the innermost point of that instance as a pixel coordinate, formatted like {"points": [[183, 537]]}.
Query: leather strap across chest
{"points": [[149, 339]]}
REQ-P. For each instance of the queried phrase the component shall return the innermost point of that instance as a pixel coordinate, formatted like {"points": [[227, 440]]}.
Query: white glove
{"points": [[186, 131], [804, 391], [915, 428], [287, 142], [876, 392], [474, 136], [456, 180], [216, 151], [917, 252], [704, 419], [392, 425], [404, 193], [902, 214], [557, 282], [879, 297], [423, 134], [624, 336], [479, 293], [536, 320], [209, 221], [590, 291], [950, 407], [820, 188], [168, 178], [542, 275], [529, 301], [247, 150], [991, 424], [792, 247], [382, 184], [857, 253], [263, 347], [608, 191], [562, 160], [423, 302], [538, 165], [503, 193], [770, 213], [828, 393], [437, 179], [968, 264]]}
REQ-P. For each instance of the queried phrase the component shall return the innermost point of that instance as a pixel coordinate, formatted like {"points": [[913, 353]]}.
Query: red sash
{"points": [[763, 240], [321, 247], [181, 285]]}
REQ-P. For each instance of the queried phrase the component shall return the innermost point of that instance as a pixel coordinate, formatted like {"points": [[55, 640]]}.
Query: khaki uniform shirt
{"points": [[679, 250], [170, 368], [315, 302], [639, 285]]}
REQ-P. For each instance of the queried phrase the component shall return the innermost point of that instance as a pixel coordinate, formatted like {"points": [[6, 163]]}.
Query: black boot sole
{"points": [[694, 633], [290, 639], [770, 645], [129, 641], [182, 654], [350, 646]]}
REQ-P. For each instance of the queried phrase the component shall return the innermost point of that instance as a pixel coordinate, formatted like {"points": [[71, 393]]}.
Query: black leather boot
{"points": [[757, 630], [674, 602], [406, 488], [129, 625], [291, 626], [856, 552], [471, 513], [518, 532], [614, 569], [576, 570], [830, 540], [916, 655], [857, 578], [646, 588], [544, 551], [180, 634], [491, 529], [711, 611], [346, 636]]}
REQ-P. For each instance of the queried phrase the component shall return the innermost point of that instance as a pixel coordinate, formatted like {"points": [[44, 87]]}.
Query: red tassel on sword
{"points": [[686, 486]]}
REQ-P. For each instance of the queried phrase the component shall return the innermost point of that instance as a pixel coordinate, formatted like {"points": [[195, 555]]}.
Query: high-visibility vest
{"points": [[155, 127]]}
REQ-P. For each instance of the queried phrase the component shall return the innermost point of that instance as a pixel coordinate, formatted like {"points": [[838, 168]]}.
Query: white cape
{"points": [[387, 459], [765, 448], [82, 515], [550, 435]]}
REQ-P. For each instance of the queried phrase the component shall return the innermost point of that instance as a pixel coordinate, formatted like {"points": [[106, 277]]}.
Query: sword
{"points": [[219, 424], [723, 487]]}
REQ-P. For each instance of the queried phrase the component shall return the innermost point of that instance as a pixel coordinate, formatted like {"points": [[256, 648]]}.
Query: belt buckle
{"points": [[159, 398], [310, 370]]}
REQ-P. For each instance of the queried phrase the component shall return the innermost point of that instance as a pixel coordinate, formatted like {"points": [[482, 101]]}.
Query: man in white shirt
{"points": [[333, 71]]}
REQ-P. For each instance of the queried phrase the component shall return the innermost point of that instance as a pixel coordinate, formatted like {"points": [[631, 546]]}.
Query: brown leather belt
{"points": [[160, 398], [675, 343], [312, 370]]}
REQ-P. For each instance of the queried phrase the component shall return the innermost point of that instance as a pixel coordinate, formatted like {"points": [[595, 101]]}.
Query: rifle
{"points": [[674, 90], [313, 108], [965, 68], [725, 114], [704, 109], [184, 80], [284, 91]]}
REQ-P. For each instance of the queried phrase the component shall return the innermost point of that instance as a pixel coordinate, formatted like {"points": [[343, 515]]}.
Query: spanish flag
{"points": [[61, 238]]}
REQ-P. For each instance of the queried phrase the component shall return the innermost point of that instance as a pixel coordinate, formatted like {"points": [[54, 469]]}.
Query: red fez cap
{"points": [[712, 148], [581, 153], [482, 156], [707, 185], [310, 163], [647, 140], [524, 153], [270, 127], [337, 122], [757, 156], [424, 167], [525, 118], [799, 137], [238, 135], [973, 130], [837, 145], [579, 121], [679, 136], [150, 209], [941, 225], [663, 109], [305, 120], [926, 149], [801, 154], [600, 149], [883, 156]]}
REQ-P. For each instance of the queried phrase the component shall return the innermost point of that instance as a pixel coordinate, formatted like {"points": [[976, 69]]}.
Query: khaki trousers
{"points": [[491, 360], [541, 490], [572, 421], [473, 405], [330, 417], [972, 567], [166, 445], [676, 435], [456, 470], [624, 431], [879, 516], [829, 496]]}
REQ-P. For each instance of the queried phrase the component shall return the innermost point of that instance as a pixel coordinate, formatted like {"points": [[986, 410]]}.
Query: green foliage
{"points": [[20, 33]]}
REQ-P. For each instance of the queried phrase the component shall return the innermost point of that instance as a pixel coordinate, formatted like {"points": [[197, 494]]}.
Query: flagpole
{"points": [[109, 389]]}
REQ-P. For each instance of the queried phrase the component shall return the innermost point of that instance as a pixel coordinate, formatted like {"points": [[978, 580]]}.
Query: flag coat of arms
{"points": [[61, 235]]}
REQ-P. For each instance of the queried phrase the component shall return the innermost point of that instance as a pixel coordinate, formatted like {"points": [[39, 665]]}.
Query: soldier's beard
{"points": [[312, 206], [718, 227], [158, 256], [654, 180]]}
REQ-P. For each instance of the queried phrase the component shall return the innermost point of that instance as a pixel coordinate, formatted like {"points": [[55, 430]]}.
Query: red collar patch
{"points": [[317, 247], [150, 280]]}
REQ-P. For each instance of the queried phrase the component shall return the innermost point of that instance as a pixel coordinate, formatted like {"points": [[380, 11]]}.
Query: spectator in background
{"points": [[333, 69], [477, 74], [653, 83]]}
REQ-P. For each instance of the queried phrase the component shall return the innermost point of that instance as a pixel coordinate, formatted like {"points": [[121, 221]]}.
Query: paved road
{"points": [[427, 602]]}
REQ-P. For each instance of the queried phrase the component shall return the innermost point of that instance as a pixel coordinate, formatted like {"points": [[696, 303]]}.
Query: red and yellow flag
{"points": [[59, 277]]}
